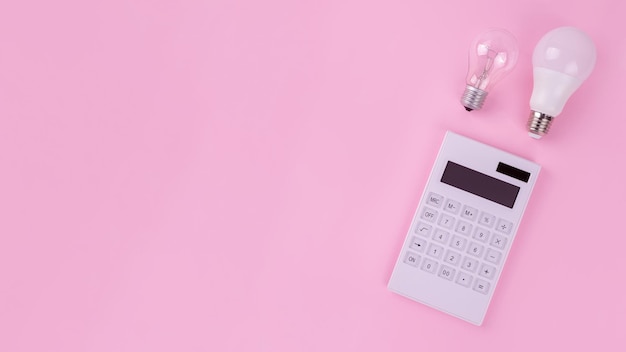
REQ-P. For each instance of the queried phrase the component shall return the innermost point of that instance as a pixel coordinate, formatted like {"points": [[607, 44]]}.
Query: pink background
{"points": [[240, 175]]}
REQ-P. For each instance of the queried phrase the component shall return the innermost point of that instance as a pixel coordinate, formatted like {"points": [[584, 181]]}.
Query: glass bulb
{"points": [[492, 56], [562, 61]]}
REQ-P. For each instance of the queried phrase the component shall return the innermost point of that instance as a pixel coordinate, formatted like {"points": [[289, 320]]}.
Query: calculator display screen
{"points": [[480, 184]]}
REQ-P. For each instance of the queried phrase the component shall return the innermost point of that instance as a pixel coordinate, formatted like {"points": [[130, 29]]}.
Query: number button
{"points": [[463, 227], [469, 264], [469, 213], [418, 244], [435, 200], [481, 234], [452, 257], [429, 265], [458, 243], [475, 249], [452, 206], [435, 251], [487, 271], [464, 279], [498, 241], [446, 221], [429, 214], [486, 219], [481, 286], [504, 226], [411, 258], [423, 229], [440, 236], [446, 272], [493, 256]]}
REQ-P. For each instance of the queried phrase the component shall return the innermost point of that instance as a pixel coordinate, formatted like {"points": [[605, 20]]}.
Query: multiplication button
{"points": [[498, 241]]}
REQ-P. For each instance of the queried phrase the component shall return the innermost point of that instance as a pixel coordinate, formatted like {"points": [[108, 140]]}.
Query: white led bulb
{"points": [[562, 61]]}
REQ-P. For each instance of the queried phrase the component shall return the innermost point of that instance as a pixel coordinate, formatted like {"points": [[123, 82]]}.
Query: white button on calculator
{"points": [[464, 227], [423, 229], [435, 200], [452, 206]]}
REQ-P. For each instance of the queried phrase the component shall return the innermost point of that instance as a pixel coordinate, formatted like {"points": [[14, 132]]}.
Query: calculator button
{"points": [[493, 256], [429, 214], [481, 234], [504, 226], [446, 221], [487, 271], [498, 241], [469, 264], [458, 243], [452, 257], [464, 279], [475, 249], [446, 272], [435, 200], [423, 229], [429, 265], [452, 206], [411, 258], [481, 286], [486, 219], [418, 244], [435, 251], [441, 236], [469, 213], [463, 227]]}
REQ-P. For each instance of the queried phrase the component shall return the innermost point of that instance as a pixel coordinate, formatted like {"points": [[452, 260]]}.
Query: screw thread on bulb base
{"points": [[473, 98], [538, 124]]}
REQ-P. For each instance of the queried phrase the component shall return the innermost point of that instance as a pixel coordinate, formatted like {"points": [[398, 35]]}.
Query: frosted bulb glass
{"points": [[562, 61], [492, 56]]}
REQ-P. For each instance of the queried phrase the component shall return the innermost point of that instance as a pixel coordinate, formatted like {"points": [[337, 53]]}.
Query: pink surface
{"points": [[239, 176]]}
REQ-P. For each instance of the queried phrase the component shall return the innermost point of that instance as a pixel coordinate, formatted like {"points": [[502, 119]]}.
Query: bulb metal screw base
{"points": [[538, 124], [473, 98]]}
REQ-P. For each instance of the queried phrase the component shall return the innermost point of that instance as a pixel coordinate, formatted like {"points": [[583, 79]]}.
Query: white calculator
{"points": [[464, 227]]}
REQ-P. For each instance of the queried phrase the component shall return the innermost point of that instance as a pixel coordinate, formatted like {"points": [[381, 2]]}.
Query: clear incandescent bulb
{"points": [[492, 56], [562, 60]]}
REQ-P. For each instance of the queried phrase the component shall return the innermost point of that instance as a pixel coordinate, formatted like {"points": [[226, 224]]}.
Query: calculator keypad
{"points": [[457, 243]]}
